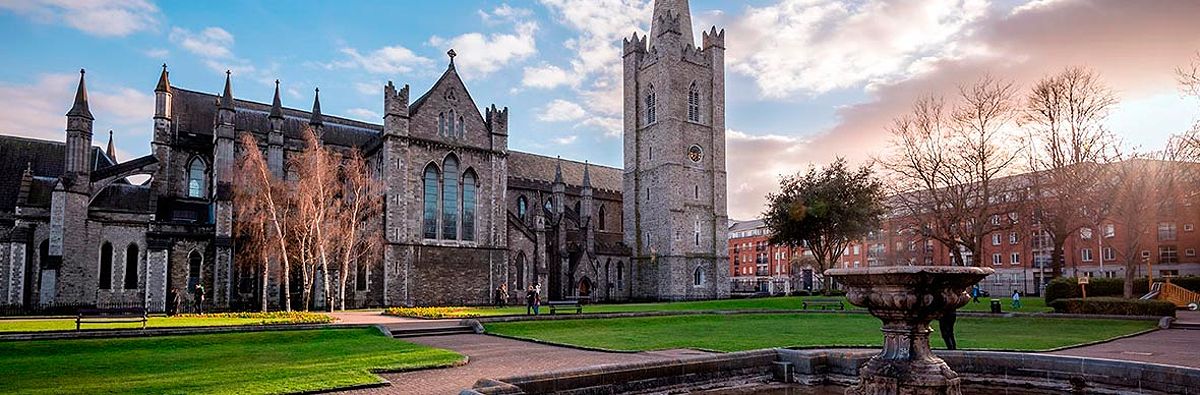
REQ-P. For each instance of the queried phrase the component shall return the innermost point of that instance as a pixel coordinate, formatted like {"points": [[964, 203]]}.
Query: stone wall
{"points": [[455, 276]]}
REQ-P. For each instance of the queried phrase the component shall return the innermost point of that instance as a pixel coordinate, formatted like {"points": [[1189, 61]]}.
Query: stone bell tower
{"points": [[674, 182]]}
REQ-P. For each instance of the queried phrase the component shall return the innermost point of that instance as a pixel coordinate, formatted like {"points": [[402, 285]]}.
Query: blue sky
{"points": [[808, 79]]}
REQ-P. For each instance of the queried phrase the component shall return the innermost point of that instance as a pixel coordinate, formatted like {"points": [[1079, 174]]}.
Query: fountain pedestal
{"points": [[906, 299]]}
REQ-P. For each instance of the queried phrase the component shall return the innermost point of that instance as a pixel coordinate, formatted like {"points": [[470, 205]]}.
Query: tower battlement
{"points": [[634, 44]]}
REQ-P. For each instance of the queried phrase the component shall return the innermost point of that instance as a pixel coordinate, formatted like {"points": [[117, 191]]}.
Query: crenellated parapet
{"points": [[635, 45], [712, 38], [496, 119], [395, 101]]}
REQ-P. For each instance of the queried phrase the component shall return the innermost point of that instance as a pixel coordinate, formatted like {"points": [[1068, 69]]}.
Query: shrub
{"points": [[430, 312], [1068, 287], [273, 317], [1114, 306], [834, 292]]}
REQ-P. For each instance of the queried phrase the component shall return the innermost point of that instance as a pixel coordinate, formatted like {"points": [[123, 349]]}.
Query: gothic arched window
{"points": [[441, 124], [462, 127], [431, 202], [450, 198], [522, 207], [620, 275], [520, 271], [468, 206], [600, 219], [195, 260], [131, 266], [651, 115], [698, 277], [106, 262], [196, 180], [549, 206], [693, 104]]}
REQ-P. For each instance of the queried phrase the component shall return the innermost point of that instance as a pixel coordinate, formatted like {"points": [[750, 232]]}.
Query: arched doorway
{"points": [[585, 287]]}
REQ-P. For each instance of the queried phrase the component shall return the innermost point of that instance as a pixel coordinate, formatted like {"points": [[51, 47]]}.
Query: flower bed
{"points": [[431, 312], [273, 317]]}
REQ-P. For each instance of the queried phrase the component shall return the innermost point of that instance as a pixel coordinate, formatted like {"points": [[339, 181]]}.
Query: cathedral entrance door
{"points": [[585, 287]]}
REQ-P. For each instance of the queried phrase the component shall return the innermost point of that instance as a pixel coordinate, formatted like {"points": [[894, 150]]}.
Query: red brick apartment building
{"points": [[1021, 252], [756, 265]]}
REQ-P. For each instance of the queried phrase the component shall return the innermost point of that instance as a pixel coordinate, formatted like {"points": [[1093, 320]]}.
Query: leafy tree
{"points": [[824, 210]]}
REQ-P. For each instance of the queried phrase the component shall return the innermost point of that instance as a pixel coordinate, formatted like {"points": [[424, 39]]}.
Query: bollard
{"points": [[996, 306]]}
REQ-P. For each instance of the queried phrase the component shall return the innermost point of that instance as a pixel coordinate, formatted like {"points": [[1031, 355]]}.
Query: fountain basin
{"points": [[906, 299]]}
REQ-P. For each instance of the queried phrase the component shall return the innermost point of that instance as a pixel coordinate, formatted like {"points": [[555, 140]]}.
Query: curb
{"points": [[172, 331]]}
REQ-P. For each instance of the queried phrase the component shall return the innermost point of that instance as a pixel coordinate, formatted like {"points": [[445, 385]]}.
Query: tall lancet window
{"points": [[441, 124], [462, 127], [450, 198], [651, 105], [468, 207], [430, 225], [693, 104], [196, 181]]}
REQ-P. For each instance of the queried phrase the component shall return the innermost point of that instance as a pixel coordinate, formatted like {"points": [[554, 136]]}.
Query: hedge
{"points": [[1114, 306], [1067, 287]]}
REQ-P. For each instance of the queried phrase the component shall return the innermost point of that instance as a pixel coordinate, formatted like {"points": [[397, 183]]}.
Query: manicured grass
{"points": [[62, 324], [754, 331], [1030, 305], [245, 363]]}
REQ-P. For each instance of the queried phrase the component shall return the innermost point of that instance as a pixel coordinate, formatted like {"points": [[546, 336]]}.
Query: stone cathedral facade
{"points": [[463, 213]]}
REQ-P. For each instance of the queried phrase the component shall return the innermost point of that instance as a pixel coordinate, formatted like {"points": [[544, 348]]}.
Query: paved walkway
{"points": [[495, 357], [1170, 346]]}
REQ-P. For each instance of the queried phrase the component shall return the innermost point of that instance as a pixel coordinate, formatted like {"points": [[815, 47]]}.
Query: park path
{"points": [[495, 357], [1180, 347]]}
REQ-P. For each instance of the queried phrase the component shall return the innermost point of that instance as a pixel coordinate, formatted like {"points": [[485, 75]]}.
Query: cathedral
{"points": [[463, 214]]}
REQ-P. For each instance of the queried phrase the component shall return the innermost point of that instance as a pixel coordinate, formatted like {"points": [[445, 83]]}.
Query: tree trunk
{"points": [[1056, 256], [1130, 268], [263, 293]]}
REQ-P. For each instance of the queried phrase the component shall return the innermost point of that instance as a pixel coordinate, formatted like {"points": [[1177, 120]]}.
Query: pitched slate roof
{"points": [[195, 112], [46, 158], [541, 168]]}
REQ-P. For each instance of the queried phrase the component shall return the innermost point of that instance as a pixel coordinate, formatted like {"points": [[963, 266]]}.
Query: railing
{"points": [[61, 308], [1178, 295]]}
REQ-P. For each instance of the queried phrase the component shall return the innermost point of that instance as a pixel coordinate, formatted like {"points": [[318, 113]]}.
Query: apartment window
{"points": [[1188, 227], [1013, 238], [1085, 233], [1110, 231], [1166, 231], [995, 220], [995, 239], [996, 259], [1109, 254], [1189, 252], [1168, 254], [1086, 254], [1145, 253], [1014, 258]]}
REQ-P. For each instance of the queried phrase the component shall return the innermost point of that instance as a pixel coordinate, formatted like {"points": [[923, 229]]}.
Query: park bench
{"points": [[556, 305], [113, 315], [824, 304]]}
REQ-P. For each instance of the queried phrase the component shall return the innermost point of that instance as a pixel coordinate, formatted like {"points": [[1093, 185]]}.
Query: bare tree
{"points": [[316, 205], [1189, 76], [946, 166], [263, 205], [1069, 147], [361, 199]]}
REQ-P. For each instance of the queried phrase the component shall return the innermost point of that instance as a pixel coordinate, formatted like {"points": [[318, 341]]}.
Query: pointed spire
{"points": [[558, 178], [276, 104], [227, 97], [164, 84], [112, 149], [80, 108], [587, 175], [452, 54], [316, 119], [665, 12]]}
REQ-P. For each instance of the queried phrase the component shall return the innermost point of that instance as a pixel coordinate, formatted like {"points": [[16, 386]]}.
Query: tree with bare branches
{"points": [[1069, 148], [361, 200], [316, 209], [946, 167], [264, 207]]}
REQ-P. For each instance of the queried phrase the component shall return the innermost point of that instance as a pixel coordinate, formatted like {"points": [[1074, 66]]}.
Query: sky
{"points": [[807, 80]]}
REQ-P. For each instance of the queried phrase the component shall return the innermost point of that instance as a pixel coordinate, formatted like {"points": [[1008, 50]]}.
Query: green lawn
{"points": [[57, 324], [1030, 305], [754, 331], [246, 363]]}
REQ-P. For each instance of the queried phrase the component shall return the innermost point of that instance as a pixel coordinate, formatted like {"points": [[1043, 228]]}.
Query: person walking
{"points": [[200, 298], [1016, 299], [975, 293], [503, 295], [537, 298], [946, 326], [529, 295]]}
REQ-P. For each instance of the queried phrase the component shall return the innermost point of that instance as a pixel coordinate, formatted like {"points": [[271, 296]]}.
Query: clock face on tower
{"points": [[695, 153]]}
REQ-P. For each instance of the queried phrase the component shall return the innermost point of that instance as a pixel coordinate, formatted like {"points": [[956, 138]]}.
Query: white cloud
{"points": [[211, 43], [386, 60], [364, 114], [561, 111], [367, 89], [547, 76], [504, 13], [156, 53], [611, 127], [36, 109], [480, 55], [105, 18], [565, 140], [814, 47]]}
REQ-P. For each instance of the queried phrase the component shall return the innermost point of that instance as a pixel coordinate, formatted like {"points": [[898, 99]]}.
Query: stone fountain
{"points": [[906, 299]]}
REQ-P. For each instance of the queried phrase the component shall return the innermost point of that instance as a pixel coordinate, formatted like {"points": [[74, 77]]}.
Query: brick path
{"points": [[1170, 346], [495, 357]]}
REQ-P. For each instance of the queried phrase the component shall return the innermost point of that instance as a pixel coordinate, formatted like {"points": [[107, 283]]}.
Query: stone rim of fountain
{"points": [[906, 299]]}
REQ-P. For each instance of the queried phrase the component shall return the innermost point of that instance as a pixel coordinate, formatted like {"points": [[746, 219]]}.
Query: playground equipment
{"points": [[1180, 296]]}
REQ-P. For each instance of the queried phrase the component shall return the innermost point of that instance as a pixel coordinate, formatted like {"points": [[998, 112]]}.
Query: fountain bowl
{"points": [[907, 299]]}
